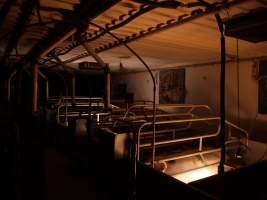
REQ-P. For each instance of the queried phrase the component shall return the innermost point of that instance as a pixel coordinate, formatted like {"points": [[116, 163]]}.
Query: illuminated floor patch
{"points": [[199, 173]]}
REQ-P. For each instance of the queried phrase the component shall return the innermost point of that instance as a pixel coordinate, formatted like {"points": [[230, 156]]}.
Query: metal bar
{"points": [[168, 106], [182, 120], [240, 129], [189, 155], [107, 89], [8, 89], [171, 122], [73, 88], [183, 139], [162, 115], [47, 90], [200, 144], [35, 89], [222, 95]]}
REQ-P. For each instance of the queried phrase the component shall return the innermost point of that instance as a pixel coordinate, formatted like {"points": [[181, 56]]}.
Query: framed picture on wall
{"points": [[172, 86]]}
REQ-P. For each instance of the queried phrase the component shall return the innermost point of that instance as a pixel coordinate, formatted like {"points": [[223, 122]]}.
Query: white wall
{"points": [[202, 87], [138, 83]]}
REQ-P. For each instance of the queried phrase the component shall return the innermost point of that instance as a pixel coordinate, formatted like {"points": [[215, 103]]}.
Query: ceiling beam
{"points": [[26, 10], [171, 24], [5, 9], [164, 26], [82, 13]]}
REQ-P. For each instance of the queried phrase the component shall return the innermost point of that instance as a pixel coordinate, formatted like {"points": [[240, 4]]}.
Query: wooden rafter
{"points": [[26, 10]]}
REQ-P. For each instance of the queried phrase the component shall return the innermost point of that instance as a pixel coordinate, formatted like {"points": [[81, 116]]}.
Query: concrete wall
{"points": [[202, 87], [138, 83]]}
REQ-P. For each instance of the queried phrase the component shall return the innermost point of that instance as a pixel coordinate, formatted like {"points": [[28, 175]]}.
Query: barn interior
{"points": [[133, 99]]}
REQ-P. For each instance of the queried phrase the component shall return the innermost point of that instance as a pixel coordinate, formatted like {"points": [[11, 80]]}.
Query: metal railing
{"points": [[200, 137], [81, 106], [189, 109]]}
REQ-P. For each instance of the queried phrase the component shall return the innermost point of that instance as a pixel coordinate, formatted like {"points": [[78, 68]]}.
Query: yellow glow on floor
{"points": [[198, 174]]}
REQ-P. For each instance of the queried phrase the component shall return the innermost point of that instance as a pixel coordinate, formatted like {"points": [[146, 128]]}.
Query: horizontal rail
{"points": [[240, 129], [182, 139], [200, 138], [190, 155], [174, 122], [191, 107], [182, 121]]}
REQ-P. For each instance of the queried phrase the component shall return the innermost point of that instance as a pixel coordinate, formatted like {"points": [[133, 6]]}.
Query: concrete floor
{"points": [[69, 182]]}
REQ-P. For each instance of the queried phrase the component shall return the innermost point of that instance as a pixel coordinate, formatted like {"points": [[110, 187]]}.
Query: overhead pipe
{"points": [[154, 86], [222, 95], [107, 72]]}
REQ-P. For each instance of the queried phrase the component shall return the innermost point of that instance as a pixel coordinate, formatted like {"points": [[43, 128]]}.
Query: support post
{"points": [[35, 88], [73, 89], [46, 84], [107, 72], [222, 95], [107, 88], [19, 87], [46, 90], [8, 89]]}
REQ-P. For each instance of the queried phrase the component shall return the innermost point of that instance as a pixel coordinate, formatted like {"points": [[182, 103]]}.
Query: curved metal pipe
{"points": [[154, 85]]}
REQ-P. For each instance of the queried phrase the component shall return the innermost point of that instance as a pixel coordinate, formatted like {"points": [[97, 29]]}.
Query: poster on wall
{"points": [[172, 86]]}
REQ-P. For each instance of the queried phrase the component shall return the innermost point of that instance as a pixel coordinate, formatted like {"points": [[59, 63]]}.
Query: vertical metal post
{"points": [[8, 89], [107, 88], [35, 88], [222, 95], [46, 89], [19, 87], [200, 144], [73, 88]]}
